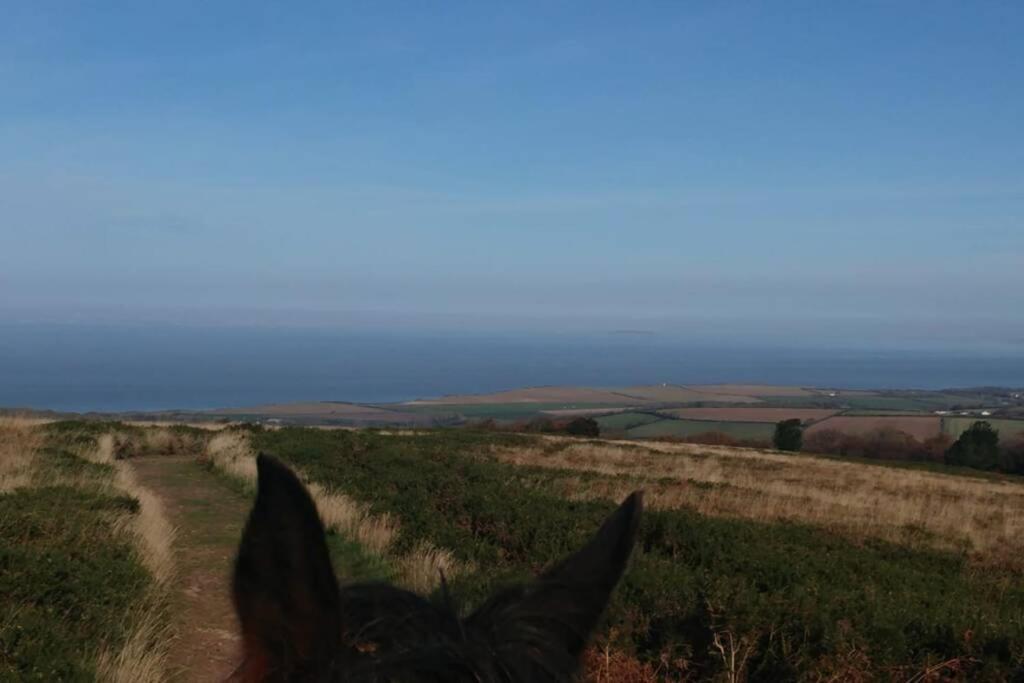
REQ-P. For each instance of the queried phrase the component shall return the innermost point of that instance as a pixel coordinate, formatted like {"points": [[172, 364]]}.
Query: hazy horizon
{"points": [[81, 367]]}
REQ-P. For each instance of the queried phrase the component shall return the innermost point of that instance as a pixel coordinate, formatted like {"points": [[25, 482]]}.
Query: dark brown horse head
{"points": [[298, 624]]}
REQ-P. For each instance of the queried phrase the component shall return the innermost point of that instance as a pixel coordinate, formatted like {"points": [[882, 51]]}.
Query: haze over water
{"points": [[104, 368]]}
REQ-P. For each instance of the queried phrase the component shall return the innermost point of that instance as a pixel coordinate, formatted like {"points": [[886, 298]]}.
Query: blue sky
{"points": [[849, 167]]}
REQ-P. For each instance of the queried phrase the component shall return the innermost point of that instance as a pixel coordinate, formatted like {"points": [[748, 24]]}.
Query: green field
{"points": [[914, 402], [625, 421], [1009, 430], [806, 604], [683, 428]]}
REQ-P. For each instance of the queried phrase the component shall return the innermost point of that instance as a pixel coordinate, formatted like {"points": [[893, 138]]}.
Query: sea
{"points": [[151, 367]]}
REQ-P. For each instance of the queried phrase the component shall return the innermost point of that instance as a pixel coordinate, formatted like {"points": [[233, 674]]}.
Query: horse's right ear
{"points": [[553, 617], [285, 592]]}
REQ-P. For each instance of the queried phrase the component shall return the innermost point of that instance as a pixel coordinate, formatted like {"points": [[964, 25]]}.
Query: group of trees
{"points": [[884, 443], [977, 447]]}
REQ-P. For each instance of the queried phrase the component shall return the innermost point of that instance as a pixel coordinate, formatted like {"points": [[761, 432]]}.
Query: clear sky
{"points": [[848, 167]]}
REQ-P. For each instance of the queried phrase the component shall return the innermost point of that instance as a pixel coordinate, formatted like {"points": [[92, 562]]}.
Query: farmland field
{"points": [[582, 412], [865, 402], [757, 390], [1009, 430], [683, 428], [326, 411], [672, 393], [623, 421], [751, 414], [530, 395], [920, 427], [506, 411]]}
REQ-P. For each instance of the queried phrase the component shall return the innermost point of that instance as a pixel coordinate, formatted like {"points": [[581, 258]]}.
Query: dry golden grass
{"points": [[419, 570], [352, 519], [231, 453], [19, 442], [143, 656], [152, 533], [982, 516], [160, 440]]}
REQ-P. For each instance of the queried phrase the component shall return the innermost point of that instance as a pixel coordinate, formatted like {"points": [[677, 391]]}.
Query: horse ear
{"points": [[285, 592], [540, 629]]}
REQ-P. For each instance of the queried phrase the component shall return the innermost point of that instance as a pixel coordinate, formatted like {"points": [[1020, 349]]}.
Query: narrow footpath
{"points": [[209, 516]]}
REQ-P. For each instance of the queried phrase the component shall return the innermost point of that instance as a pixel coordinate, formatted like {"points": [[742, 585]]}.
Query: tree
{"points": [[789, 435], [583, 426], [889, 443], [977, 447], [1013, 458], [825, 441], [934, 449]]}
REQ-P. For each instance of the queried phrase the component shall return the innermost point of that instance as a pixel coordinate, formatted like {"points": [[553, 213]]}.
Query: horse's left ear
{"points": [[285, 591]]}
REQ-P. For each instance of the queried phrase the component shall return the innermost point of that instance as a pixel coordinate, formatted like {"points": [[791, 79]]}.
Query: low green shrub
{"points": [[66, 581]]}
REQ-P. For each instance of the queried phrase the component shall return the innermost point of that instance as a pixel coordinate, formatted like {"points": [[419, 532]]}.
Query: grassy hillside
{"points": [[71, 578], [750, 564]]}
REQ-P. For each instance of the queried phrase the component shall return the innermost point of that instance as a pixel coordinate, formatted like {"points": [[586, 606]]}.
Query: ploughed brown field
{"points": [[923, 427], [751, 414]]}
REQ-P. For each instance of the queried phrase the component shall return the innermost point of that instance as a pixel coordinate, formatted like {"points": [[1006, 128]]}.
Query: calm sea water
{"points": [[84, 368]]}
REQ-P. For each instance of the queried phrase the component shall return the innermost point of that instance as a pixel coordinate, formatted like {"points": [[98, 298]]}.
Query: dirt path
{"points": [[209, 515]]}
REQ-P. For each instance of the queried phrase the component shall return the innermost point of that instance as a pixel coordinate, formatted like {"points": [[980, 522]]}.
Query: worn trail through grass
{"points": [[209, 510], [209, 514]]}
